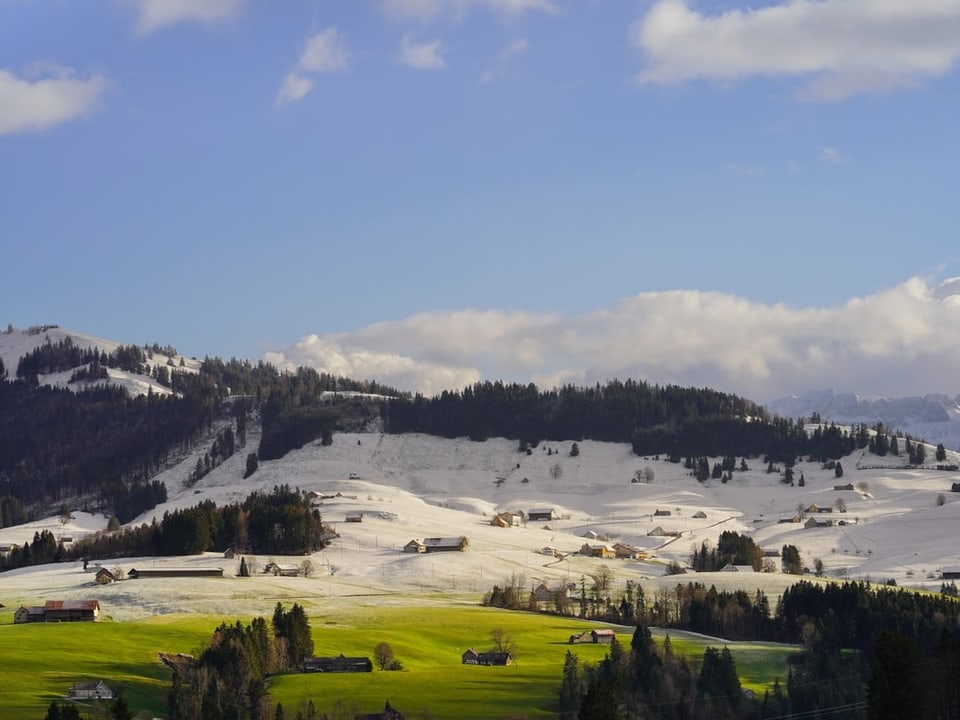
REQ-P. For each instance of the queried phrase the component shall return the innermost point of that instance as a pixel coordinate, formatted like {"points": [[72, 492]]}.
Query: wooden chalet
{"points": [[24, 614], [90, 691], [469, 657], [59, 611], [354, 516], [599, 550], [541, 515], [415, 546], [602, 637], [174, 572], [599, 637], [629, 552], [454, 544], [662, 513], [273, 568], [337, 664], [104, 577], [951, 573]]}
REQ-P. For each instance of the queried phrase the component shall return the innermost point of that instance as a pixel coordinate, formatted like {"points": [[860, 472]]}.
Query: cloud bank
{"points": [[902, 341], [839, 47], [45, 99]]}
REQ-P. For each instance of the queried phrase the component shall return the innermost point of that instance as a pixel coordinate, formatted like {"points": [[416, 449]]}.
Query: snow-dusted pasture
{"points": [[415, 486]]}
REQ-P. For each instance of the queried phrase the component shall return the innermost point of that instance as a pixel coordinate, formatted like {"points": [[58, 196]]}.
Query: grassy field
{"points": [[40, 662]]}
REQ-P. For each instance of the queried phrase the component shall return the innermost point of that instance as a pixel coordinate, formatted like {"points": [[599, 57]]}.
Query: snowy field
{"points": [[416, 486]]}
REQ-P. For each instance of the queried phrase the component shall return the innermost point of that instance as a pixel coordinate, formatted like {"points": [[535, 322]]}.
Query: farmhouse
{"points": [[661, 513], [90, 691], [737, 568], [507, 519], [599, 637], [472, 657], [415, 546], [629, 552], [104, 577], [60, 611], [338, 664], [281, 570], [599, 550], [170, 572], [541, 514], [456, 544], [388, 714], [28, 614]]}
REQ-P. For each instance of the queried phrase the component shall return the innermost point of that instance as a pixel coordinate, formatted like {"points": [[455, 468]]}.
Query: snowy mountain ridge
{"points": [[934, 418]]}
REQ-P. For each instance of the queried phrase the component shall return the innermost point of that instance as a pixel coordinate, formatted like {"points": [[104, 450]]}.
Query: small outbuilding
{"points": [[90, 691]]}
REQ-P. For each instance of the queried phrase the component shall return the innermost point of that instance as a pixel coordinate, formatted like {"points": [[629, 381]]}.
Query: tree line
{"points": [[280, 522]]}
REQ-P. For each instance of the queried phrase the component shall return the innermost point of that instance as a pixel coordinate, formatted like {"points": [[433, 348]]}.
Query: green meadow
{"points": [[40, 662]]}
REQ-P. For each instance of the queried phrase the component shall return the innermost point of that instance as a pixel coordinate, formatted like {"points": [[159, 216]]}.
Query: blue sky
{"points": [[430, 192]]}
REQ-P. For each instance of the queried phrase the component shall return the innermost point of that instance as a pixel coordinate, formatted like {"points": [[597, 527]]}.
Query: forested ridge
{"points": [[99, 449]]}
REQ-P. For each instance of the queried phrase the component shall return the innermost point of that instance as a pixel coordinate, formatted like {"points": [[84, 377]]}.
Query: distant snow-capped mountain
{"points": [[934, 418]]}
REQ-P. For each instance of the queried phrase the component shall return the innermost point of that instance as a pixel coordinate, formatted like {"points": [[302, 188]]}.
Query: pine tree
{"points": [[120, 710]]}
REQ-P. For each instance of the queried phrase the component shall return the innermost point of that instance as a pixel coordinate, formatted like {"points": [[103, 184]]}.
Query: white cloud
{"points": [[840, 47], [156, 14], [422, 56], [430, 9], [514, 49], [325, 52], [54, 96], [905, 340]]}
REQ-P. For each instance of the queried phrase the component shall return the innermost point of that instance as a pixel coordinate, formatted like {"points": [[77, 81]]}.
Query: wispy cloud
{"points": [[45, 98], [325, 52], [904, 340], [514, 49], [430, 9], [422, 56], [156, 14], [839, 48], [833, 156]]}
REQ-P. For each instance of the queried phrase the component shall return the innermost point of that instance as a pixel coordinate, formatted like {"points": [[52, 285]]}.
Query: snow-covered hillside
{"points": [[934, 418], [415, 486], [15, 343]]}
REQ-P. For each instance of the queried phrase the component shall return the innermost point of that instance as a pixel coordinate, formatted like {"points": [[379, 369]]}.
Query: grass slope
{"points": [[40, 662]]}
